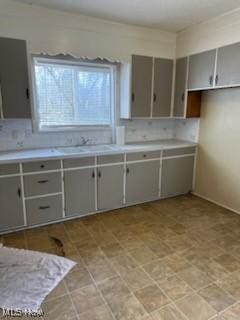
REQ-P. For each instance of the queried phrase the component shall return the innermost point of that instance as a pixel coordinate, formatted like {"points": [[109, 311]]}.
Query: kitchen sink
{"points": [[71, 150]]}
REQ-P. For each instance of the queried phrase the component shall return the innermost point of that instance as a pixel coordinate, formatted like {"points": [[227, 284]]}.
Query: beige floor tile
{"points": [[143, 255], [101, 270], [40, 243], [99, 313], [233, 313], [59, 309], [228, 262], [160, 248], [137, 279], [216, 297], [127, 308], [158, 270], [176, 263], [59, 291], [195, 278], [15, 240], [112, 250], [169, 312], [113, 287], [213, 269], [231, 284], [195, 308], [78, 279], [175, 288], [178, 228], [86, 299], [152, 298], [179, 243], [123, 263]]}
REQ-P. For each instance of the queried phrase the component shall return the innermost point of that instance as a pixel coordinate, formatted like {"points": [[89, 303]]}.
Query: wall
{"points": [[217, 172], [211, 34]]}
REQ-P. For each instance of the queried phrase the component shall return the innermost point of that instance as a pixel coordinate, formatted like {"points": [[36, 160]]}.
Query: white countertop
{"points": [[88, 150]]}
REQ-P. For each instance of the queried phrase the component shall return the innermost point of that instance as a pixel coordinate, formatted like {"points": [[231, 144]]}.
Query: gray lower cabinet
{"points": [[162, 89], [110, 187], [79, 191], [14, 84], [43, 210], [180, 87], [142, 181], [11, 205], [201, 70], [177, 176], [141, 86], [228, 66]]}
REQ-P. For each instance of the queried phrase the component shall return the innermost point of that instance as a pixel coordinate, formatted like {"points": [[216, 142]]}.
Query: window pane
{"points": [[73, 95]]}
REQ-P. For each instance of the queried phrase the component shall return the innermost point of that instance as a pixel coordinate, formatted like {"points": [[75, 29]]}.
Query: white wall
{"points": [[54, 31], [214, 33]]}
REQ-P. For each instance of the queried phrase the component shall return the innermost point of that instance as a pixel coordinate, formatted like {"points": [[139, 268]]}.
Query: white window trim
{"points": [[62, 128]]}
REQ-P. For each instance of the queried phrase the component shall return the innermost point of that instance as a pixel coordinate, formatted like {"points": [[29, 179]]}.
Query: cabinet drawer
{"points": [[39, 184], [179, 151], [41, 166], [43, 210], [110, 159], [9, 169], [143, 155], [79, 162]]}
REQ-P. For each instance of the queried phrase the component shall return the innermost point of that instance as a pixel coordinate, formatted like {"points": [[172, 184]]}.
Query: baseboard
{"points": [[216, 202]]}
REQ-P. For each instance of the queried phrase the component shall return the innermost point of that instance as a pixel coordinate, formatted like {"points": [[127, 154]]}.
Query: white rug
{"points": [[27, 277]]}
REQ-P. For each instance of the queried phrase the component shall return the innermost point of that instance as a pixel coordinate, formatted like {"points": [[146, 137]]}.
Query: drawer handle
{"points": [[19, 192], [93, 174], [43, 181], [127, 171], [44, 207], [154, 97], [99, 174]]}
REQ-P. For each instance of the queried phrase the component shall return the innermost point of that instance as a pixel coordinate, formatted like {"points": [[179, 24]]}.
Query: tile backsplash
{"points": [[17, 134]]}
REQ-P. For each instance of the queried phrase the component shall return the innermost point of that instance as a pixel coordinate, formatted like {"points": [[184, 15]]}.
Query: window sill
{"points": [[73, 128]]}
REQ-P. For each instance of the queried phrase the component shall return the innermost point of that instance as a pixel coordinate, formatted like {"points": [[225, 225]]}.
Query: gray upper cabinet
{"points": [[180, 87], [11, 205], [201, 70], [228, 66], [79, 191], [141, 86], [177, 176], [142, 182], [162, 90], [14, 85], [110, 187]]}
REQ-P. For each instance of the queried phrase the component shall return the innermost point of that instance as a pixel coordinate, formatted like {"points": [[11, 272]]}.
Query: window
{"points": [[70, 94]]}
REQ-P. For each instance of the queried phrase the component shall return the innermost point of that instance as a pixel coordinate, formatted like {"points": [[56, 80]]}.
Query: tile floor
{"points": [[175, 259]]}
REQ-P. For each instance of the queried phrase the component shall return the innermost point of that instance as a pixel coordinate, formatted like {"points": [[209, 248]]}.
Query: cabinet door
{"points": [[79, 191], [141, 86], [14, 79], [201, 70], [180, 88], [177, 176], [228, 66], [110, 187], [142, 183], [162, 92], [11, 206]]}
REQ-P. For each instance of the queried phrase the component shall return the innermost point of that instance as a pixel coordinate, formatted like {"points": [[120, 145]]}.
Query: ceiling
{"points": [[171, 15]]}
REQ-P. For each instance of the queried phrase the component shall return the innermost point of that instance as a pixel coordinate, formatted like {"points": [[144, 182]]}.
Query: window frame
{"points": [[71, 61]]}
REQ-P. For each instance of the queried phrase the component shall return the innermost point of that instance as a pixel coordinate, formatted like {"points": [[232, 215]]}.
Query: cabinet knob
{"points": [[93, 174], [133, 97], [99, 174], [27, 93], [19, 192], [183, 97], [211, 80], [42, 166], [154, 97], [216, 79], [127, 170]]}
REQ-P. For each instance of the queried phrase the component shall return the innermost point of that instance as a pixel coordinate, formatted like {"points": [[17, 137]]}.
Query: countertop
{"points": [[89, 150]]}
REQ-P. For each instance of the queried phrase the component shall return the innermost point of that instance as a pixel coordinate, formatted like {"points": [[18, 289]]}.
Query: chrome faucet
{"points": [[84, 141]]}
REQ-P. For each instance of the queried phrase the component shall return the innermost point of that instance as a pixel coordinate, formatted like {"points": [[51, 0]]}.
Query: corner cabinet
{"points": [[14, 83], [201, 70]]}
